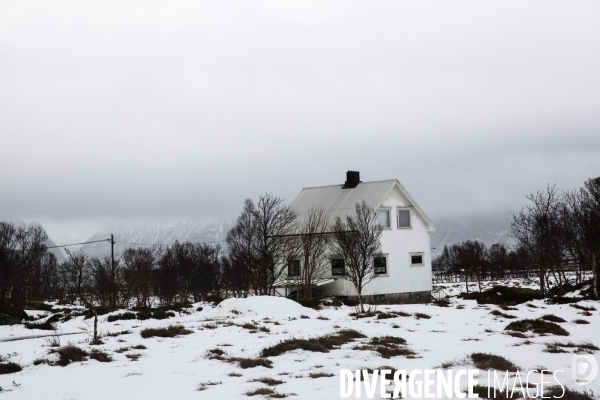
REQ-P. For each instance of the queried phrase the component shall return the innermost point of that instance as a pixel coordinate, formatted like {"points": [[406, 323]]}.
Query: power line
{"points": [[75, 244], [167, 244]]}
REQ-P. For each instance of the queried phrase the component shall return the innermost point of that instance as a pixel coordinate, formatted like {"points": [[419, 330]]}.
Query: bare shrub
{"points": [[69, 354]]}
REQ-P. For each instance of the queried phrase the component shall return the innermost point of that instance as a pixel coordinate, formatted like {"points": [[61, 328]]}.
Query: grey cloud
{"points": [[128, 109]]}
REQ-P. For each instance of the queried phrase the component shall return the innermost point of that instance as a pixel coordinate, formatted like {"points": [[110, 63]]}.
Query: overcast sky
{"points": [[120, 110]]}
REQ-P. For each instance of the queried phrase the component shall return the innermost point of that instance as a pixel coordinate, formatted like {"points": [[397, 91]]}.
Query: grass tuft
{"points": [[501, 314], [267, 381], [9, 368], [538, 326], [101, 356], [168, 332], [69, 354], [322, 344], [552, 318], [580, 321], [488, 361]]}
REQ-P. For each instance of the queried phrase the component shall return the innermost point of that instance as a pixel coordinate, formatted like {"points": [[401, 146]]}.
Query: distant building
{"points": [[404, 271]]}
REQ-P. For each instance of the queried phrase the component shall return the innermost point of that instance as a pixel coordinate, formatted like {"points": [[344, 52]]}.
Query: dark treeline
{"points": [[262, 246], [555, 233]]}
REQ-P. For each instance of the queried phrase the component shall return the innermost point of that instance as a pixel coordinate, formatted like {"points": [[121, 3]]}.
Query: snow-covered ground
{"points": [[176, 368]]}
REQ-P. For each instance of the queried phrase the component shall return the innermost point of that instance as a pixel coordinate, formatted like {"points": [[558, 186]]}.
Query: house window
{"points": [[403, 218], [337, 267], [384, 218], [416, 259], [380, 265], [294, 268]]}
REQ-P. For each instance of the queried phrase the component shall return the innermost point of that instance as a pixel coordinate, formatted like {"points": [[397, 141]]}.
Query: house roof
{"points": [[339, 202]]}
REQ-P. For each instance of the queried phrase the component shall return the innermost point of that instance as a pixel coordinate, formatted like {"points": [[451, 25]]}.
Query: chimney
{"points": [[352, 179]]}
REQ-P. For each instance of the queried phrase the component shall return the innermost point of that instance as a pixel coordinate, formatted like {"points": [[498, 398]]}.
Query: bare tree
{"points": [[581, 223], [21, 252], [538, 230], [77, 274], [259, 240], [313, 242], [358, 241]]}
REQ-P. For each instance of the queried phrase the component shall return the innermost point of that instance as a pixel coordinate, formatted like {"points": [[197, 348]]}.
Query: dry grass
{"points": [[501, 314], [315, 375], [322, 344], [420, 315], [133, 356], [168, 332], [246, 363], [557, 391], [584, 308], [9, 368], [538, 326], [516, 334], [261, 391], [234, 374], [580, 321], [267, 381], [387, 346], [204, 385], [69, 354], [589, 346], [552, 318], [488, 361], [101, 356]]}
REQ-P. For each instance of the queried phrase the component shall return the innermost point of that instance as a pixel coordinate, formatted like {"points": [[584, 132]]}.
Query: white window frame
{"points": [[387, 266], [409, 218], [417, 253], [388, 209]]}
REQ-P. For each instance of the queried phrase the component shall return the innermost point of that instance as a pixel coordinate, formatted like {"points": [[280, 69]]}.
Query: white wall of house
{"points": [[397, 244]]}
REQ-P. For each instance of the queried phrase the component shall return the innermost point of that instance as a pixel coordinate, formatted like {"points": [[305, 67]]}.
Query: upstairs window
{"points": [[403, 218], [416, 259], [294, 268], [337, 267], [383, 217], [380, 265]]}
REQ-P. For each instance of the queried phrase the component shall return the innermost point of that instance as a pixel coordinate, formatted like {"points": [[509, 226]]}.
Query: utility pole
{"points": [[113, 278]]}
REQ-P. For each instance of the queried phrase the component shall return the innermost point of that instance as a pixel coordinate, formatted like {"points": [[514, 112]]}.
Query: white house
{"points": [[404, 273]]}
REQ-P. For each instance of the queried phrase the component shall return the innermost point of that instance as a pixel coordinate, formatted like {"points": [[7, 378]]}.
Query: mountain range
{"points": [[147, 232], [489, 228]]}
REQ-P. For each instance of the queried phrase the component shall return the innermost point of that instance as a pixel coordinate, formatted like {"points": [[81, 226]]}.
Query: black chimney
{"points": [[352, 179]]}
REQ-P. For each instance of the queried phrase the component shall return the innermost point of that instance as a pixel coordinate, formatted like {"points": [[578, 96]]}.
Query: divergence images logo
{"points": [[585, 369]]}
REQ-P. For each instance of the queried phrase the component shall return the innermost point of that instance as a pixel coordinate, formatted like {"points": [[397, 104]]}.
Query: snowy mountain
{"points": [[155, 231], [489, 229]]}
